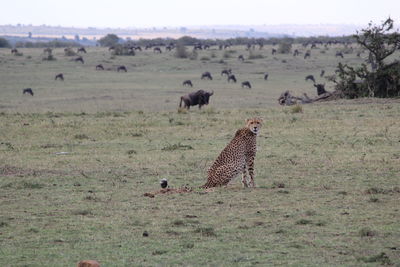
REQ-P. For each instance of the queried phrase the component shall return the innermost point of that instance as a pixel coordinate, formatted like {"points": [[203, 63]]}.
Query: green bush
{"points": [[109, 40], [181, 51], [380, 79], [4, 43], [284, 48]]}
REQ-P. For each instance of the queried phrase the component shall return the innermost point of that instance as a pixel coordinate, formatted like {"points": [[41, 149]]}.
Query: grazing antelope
{"points": [[59, 76], [246, 84]]}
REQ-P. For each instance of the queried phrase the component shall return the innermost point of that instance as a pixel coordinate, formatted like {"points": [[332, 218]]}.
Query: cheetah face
{"points": [[254, 125]]}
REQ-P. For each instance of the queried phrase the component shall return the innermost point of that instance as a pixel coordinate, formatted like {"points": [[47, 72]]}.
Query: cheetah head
{"points": [[254, 125]]}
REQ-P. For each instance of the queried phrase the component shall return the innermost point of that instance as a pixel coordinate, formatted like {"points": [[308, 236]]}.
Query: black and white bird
{"points": [[164, 183]]}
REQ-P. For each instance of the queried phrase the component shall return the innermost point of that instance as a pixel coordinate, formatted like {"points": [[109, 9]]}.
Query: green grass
{"points": [[317, 171]]}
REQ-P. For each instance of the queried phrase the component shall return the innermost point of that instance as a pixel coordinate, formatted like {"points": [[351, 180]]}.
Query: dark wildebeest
{"points": [[307, 54], [187, 82], [231, 77], [196, 98], [246, 84], [227, 46], [241, 58], [14, 51], [310, 77], [122, 68], [322, 73], [206, 47], [339, 54], [138, 48], [59, 76], [111, 48], [206, 75], [226, 72], [169, 47], [157, 50], [79, 59], [99, 67], [266, 76], [82, 49], [27, 91], [296, 53], [197, 47], [320, 88], [273, 52], [48, 50]]}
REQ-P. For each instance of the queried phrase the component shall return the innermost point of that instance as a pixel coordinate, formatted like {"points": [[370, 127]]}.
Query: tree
{"points": [[109, 40], [382, 78], [4, 43]]}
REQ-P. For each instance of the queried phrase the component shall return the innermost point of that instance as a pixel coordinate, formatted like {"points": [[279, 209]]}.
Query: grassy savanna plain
{"points": [[328, 183]]}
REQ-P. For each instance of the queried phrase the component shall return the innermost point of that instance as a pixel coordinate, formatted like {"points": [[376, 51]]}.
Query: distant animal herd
{"points": [[199, 97]]}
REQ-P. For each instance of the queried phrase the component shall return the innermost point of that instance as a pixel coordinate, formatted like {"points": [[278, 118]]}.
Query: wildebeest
{"points": [[187, 82], [138, 48], [320, 88], [226, 72], [122, 68], [322, 73], [48, 50], [241, 58], [169, 47], [206, 75], [82, 49], [273, 52], [198, 46], [27, 91], [339, 54], [79, 59], [206, 47], [266, 76], [14, 51], [296, 53], [157, 50], [307, 54], [99, 67], [199, 97], [310, 77], [246, 84], [59, 76], [231, 77]]}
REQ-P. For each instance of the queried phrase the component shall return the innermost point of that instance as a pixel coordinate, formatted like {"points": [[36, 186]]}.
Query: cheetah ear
{"points": [[247, 120]]}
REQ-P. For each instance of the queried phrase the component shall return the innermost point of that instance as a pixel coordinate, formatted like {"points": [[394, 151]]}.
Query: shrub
{"points": [[109, 40], [381, 79], [296, 109], [120, 50], [69, 52], [4, 43], [254, 55], [181, 51], [284, 48]]}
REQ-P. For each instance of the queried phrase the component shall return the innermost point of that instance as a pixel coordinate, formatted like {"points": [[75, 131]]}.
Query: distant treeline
{"points": [[185, 40]]}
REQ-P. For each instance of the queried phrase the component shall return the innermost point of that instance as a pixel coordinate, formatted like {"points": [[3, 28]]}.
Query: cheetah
{"points": [[237, 157]]}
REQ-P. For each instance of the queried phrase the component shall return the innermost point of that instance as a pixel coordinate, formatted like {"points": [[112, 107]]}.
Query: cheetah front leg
{"points": [[250, 166], [244, 177]]}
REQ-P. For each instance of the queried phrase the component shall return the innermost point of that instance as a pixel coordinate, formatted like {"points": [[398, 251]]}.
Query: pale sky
{"points": [[175, 13]]}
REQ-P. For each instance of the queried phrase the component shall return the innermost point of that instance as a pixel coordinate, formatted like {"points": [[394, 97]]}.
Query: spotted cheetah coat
{"points": [[237, 157]]}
